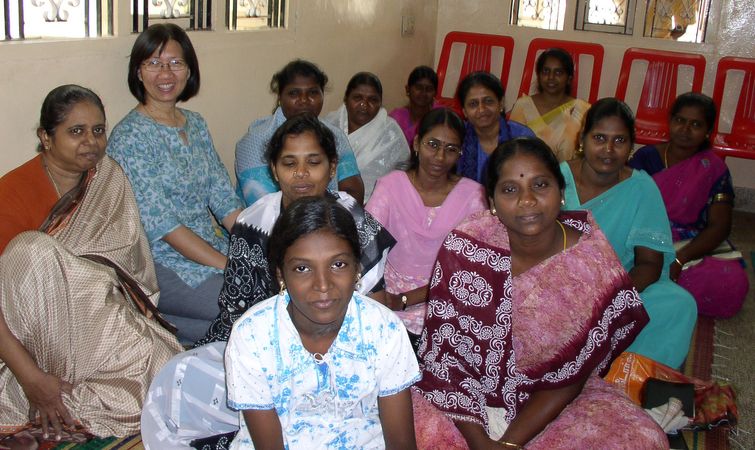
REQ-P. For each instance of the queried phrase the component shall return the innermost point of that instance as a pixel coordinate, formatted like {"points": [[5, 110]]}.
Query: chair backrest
{"points": [[478, 55], [575, 49], [740, 141], [658, 89]]}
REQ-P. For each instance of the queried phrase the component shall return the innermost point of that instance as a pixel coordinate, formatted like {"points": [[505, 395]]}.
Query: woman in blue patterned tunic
{"points": [[178, 179]]}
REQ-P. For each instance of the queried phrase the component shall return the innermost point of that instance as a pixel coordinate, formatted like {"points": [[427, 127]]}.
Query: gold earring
{"points": [[492, 210], [359, 282], [283, 287]]}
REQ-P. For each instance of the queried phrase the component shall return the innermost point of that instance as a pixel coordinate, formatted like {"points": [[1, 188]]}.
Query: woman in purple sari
{"points": [[698, 193]]}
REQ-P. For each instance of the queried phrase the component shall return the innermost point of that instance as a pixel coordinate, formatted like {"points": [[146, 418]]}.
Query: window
{"points": [[33, 19], [546, 14], [682, 20], [610, 16], [189, 14], [253, 14]]}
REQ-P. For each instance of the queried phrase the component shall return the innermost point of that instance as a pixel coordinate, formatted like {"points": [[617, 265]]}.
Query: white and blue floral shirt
{"points": [[329, 404], [175, 184]]}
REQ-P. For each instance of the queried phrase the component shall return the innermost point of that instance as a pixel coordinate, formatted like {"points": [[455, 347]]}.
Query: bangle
{"points": [[404, 299], [676, 260], [511, 445]]}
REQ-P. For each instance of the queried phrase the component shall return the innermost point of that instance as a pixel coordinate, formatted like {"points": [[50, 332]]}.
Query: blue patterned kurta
{"points": [[174, 185], [252, 171], [333, 404]]}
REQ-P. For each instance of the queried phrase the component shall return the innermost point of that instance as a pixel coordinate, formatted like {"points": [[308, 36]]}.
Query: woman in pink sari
{"points": [[419, 207], [699, 197], [528, 306]]}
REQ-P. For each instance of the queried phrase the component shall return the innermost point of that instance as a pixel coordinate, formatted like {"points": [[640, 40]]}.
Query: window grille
{"points": [[255, 14], [682, 20], [545, 14], [34, 19], [189, 14], [610, 16]]}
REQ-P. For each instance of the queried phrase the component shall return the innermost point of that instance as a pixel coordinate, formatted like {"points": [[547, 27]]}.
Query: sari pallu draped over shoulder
{"points": [[492, 339], [75, 294]]}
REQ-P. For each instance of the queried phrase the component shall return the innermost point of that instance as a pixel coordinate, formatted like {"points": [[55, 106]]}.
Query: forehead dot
{"points": [[521, 175]]}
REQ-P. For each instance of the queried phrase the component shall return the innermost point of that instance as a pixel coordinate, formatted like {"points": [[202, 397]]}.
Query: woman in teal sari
{"points": [[628, 207]]}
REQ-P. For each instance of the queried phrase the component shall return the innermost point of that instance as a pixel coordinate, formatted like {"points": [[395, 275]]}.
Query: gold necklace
{"points": [[563, 230], [54, 183]]}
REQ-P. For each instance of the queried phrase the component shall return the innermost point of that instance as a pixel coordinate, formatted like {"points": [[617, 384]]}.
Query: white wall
{"points": [[731, 32], [342, 36]]}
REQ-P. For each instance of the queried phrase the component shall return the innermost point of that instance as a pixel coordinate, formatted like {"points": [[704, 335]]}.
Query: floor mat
{"points": [[699, 365]]}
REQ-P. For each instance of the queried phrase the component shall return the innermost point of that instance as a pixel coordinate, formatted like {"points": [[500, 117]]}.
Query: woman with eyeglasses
{"points": [[419, 207], [178, 179], [552, 113], [481, 97]]}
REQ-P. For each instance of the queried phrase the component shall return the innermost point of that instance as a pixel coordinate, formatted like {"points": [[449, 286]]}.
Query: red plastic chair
{"points": [[575, 49], [740, 142], [659, 88], [477, 56]]}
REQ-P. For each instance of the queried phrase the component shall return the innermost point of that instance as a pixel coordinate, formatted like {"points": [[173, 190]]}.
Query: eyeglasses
{"points": [[436, 144], [155, 65]]}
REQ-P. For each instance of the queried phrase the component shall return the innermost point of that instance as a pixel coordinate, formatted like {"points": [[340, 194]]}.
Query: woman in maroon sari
{"points": [[699, 197], [528, 306]]}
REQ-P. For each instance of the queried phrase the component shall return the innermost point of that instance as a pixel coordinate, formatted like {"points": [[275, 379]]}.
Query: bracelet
{"points": [[511, 445], [404, 299], [676, 260]]}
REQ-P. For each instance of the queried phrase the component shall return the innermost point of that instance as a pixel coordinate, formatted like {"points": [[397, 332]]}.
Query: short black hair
{"points": [[155, 38], [308, 215], [296, 125], [563, 57], [422, 73], [297, 68], [609, 107], [527, 145], [60, 101], [698, 100], [364, 78], [484, 79]]}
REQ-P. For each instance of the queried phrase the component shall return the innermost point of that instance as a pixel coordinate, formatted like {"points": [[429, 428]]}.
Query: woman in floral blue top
{"points": [[177, 177]]}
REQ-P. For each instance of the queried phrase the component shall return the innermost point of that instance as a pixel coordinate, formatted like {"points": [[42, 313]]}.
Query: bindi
{"points": [[521, 175]]}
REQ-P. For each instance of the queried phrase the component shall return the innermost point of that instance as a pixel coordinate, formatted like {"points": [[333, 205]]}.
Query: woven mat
{"points": [[699, 365], [32, 438]]}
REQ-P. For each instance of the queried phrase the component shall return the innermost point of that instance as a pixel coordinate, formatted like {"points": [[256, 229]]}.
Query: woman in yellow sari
{"points": [[552, 113]]}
